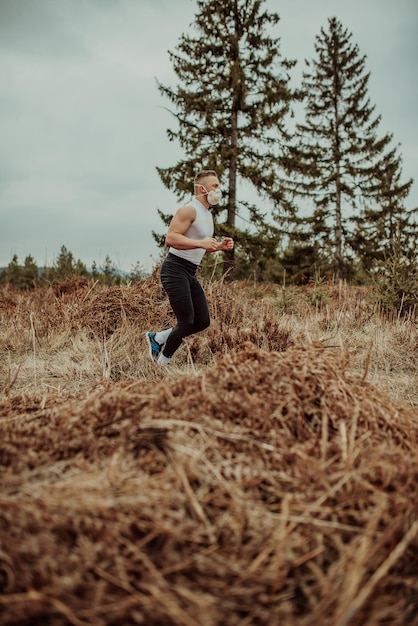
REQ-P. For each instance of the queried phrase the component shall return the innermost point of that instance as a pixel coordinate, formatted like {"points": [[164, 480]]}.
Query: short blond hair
{"points": [[202, 175]]}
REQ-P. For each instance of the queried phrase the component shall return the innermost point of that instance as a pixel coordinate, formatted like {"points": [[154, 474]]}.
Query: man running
{"points": [[190, 237]]}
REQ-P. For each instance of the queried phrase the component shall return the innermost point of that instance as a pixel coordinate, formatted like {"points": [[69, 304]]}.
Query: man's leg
{"points": [[200, 307], [192, 315], [184, 312]]}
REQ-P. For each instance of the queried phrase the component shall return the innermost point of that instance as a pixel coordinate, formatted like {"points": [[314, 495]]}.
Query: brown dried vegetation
{"points": [[263, 480]]}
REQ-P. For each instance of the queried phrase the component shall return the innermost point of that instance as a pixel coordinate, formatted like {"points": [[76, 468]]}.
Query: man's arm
{"points": [[180, 224]]}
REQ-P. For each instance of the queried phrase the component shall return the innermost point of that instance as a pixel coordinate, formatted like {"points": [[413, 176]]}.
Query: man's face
{"points": [[210, 183]]}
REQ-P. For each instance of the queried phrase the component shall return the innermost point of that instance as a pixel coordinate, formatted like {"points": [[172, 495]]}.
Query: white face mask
{"points": [[214, 196]]}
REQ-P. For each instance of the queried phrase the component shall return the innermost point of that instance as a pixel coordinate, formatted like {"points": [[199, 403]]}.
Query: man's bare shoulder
{"points": [[186, 212]]}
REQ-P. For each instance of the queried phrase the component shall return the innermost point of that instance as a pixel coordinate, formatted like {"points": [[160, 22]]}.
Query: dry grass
{"points": [[270, 476]]}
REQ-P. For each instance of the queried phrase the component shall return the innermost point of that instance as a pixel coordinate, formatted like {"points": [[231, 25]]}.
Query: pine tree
{"points": [[231, 106], [110, 272], [137, 272], [30, 273], [94, 272], [24, 276], [381, 224], [343, 165], [64, 265], [13, 273]]}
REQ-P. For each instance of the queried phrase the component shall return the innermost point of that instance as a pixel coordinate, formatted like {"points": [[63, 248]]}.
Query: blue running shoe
{"points": [[155, 348]]}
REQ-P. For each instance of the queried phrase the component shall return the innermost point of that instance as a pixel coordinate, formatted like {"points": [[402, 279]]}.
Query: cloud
{"points": [[36, 28]]}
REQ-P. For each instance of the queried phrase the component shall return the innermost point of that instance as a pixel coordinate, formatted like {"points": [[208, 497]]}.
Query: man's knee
{"points": [[186, 328], [202, 324], [190, 328]]}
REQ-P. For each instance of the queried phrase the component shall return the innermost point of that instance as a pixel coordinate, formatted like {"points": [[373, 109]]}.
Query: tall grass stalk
{"points": [[31, 317]]}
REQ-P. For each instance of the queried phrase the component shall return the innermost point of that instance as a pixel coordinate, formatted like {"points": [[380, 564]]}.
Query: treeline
{"points": [[395, 283], [29, 275]]}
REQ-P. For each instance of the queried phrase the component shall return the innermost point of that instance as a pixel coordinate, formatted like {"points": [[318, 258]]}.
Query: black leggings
{"points": [[187, 299]]}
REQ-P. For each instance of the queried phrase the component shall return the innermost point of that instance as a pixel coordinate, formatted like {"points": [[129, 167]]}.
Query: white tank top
{"points": [[199, 229]]}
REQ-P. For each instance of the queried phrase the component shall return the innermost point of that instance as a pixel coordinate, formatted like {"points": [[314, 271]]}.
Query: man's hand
{"points": [[209, 244], [227, 243]]}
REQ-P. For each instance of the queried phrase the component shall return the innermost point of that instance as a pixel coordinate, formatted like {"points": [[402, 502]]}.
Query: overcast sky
{"points": [[83, 126]]}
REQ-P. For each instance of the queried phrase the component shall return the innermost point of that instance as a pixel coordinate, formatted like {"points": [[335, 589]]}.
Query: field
{"points": [[268, 477]]}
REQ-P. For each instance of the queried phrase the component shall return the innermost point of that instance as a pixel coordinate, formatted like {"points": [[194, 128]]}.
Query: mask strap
{"points": [[201, 194]]}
